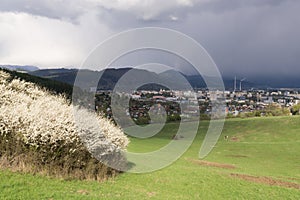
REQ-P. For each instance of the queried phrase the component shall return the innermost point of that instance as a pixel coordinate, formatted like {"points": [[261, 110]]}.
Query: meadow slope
{"points": [[260, 160]]}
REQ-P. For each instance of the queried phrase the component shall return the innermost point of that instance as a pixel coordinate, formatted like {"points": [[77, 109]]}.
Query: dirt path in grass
{"points": [[212, 164], [266, 180]]}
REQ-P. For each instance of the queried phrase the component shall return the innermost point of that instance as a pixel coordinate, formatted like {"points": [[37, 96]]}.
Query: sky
{"points": [[246, 38]]}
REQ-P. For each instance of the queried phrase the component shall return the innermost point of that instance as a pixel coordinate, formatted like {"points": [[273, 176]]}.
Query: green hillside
{"points": [[260, 160]]}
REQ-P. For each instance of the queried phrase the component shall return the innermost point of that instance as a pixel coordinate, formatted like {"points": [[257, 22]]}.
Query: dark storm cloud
{"points": [[244, 37], [252, 40]]}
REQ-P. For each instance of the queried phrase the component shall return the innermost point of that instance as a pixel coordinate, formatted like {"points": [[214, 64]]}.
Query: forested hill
{"points": [[49, 84]]}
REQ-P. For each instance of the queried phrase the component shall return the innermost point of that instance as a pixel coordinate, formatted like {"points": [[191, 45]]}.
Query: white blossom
{"points": [[41, 118]]}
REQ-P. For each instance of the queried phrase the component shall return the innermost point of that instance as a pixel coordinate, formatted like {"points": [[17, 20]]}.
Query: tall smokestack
{"points": [[234, 86], [241, 83]]}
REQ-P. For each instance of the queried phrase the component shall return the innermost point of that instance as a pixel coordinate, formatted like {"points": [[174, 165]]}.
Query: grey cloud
{"points": [[157, 10], [243, 37], [151, 10], [131, 11], [68, 10]]}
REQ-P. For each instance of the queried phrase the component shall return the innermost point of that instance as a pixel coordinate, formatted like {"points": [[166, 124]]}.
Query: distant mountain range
{"points": [[109, 78], [175, 79]]}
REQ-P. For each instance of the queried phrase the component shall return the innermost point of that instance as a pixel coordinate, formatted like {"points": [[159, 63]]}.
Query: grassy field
{"points": [[260, 160]]}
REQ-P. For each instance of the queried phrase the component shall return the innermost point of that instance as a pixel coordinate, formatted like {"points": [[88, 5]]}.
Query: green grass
{"points": [[264, 147]]}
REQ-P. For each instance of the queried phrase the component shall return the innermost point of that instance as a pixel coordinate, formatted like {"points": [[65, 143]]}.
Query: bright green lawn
{"points": [[265, 147]]}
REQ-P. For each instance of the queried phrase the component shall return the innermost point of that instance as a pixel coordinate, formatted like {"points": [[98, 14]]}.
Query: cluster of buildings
{"points": [[192, 103], [257, 100]]}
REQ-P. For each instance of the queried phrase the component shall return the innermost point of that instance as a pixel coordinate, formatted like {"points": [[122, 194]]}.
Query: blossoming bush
{"points": [[38, 133]]}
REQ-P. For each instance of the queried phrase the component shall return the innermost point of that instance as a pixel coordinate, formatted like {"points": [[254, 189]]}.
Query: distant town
{"points": [[240, 99], [188, 104]]}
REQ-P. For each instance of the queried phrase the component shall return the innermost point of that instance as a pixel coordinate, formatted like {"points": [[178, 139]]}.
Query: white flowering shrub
{"points": [[45, 122]]}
